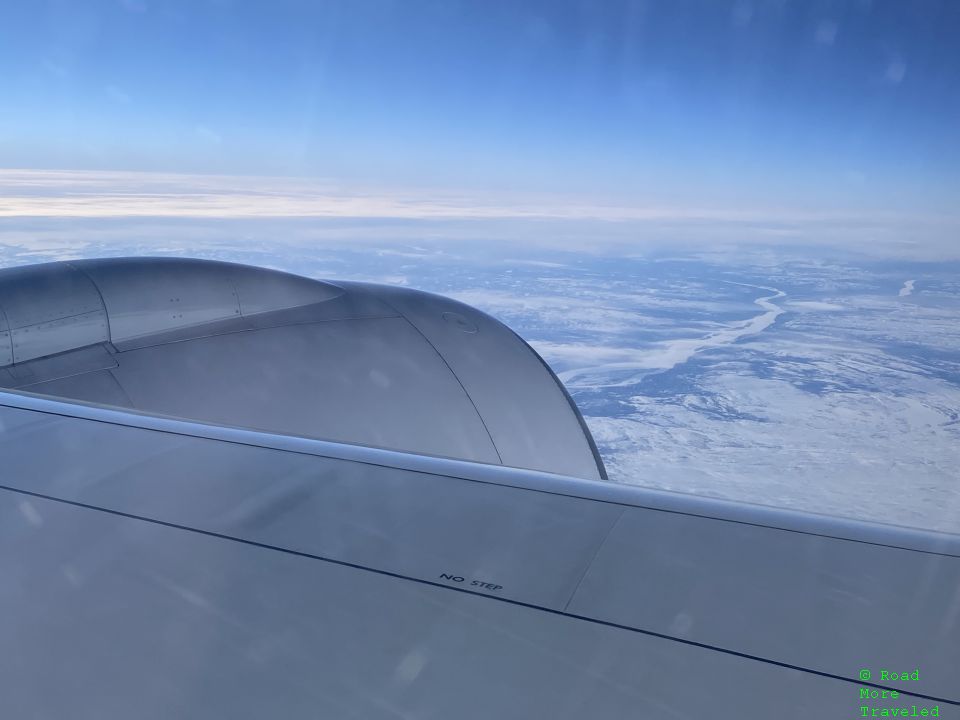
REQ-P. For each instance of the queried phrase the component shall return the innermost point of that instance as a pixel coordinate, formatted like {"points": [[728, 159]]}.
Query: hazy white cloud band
{"points": [[67, 193], [34, 202]]}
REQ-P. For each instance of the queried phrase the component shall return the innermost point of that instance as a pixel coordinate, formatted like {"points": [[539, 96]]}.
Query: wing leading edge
{"points": [[160, 567]]}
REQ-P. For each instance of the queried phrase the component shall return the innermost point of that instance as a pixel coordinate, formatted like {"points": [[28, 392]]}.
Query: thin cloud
{"points": [[117, 95], [826, 33], [328, 211], [896, 72], [62, 193]]}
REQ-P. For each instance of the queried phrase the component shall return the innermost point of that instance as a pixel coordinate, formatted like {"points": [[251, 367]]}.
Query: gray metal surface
{"points": [[63, 365], [110, 617], [814, 601], [512, 388], [156, 566], [147, 296], [314, 579], [332, 380], [47, 309], [236, 345]]}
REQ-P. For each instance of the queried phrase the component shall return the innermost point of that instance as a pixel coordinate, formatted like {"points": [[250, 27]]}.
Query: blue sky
{"points": [[811, 105]]}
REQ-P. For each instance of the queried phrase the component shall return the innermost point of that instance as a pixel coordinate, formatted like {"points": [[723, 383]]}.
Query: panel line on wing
{"points": [[520, 603]]}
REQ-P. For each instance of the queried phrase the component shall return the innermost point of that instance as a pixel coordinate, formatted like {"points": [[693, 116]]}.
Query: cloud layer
{"points": [[336, 210]]}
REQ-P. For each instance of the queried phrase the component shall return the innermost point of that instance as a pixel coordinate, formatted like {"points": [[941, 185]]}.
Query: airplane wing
{"points": [[158, 566]]}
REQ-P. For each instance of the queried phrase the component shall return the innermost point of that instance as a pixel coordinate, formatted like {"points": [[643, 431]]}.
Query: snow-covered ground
{"points": [[838, 396], [781, 378]]}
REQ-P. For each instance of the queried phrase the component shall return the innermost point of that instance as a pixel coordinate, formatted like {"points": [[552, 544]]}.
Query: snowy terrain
{"points": [[776, 378]]}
